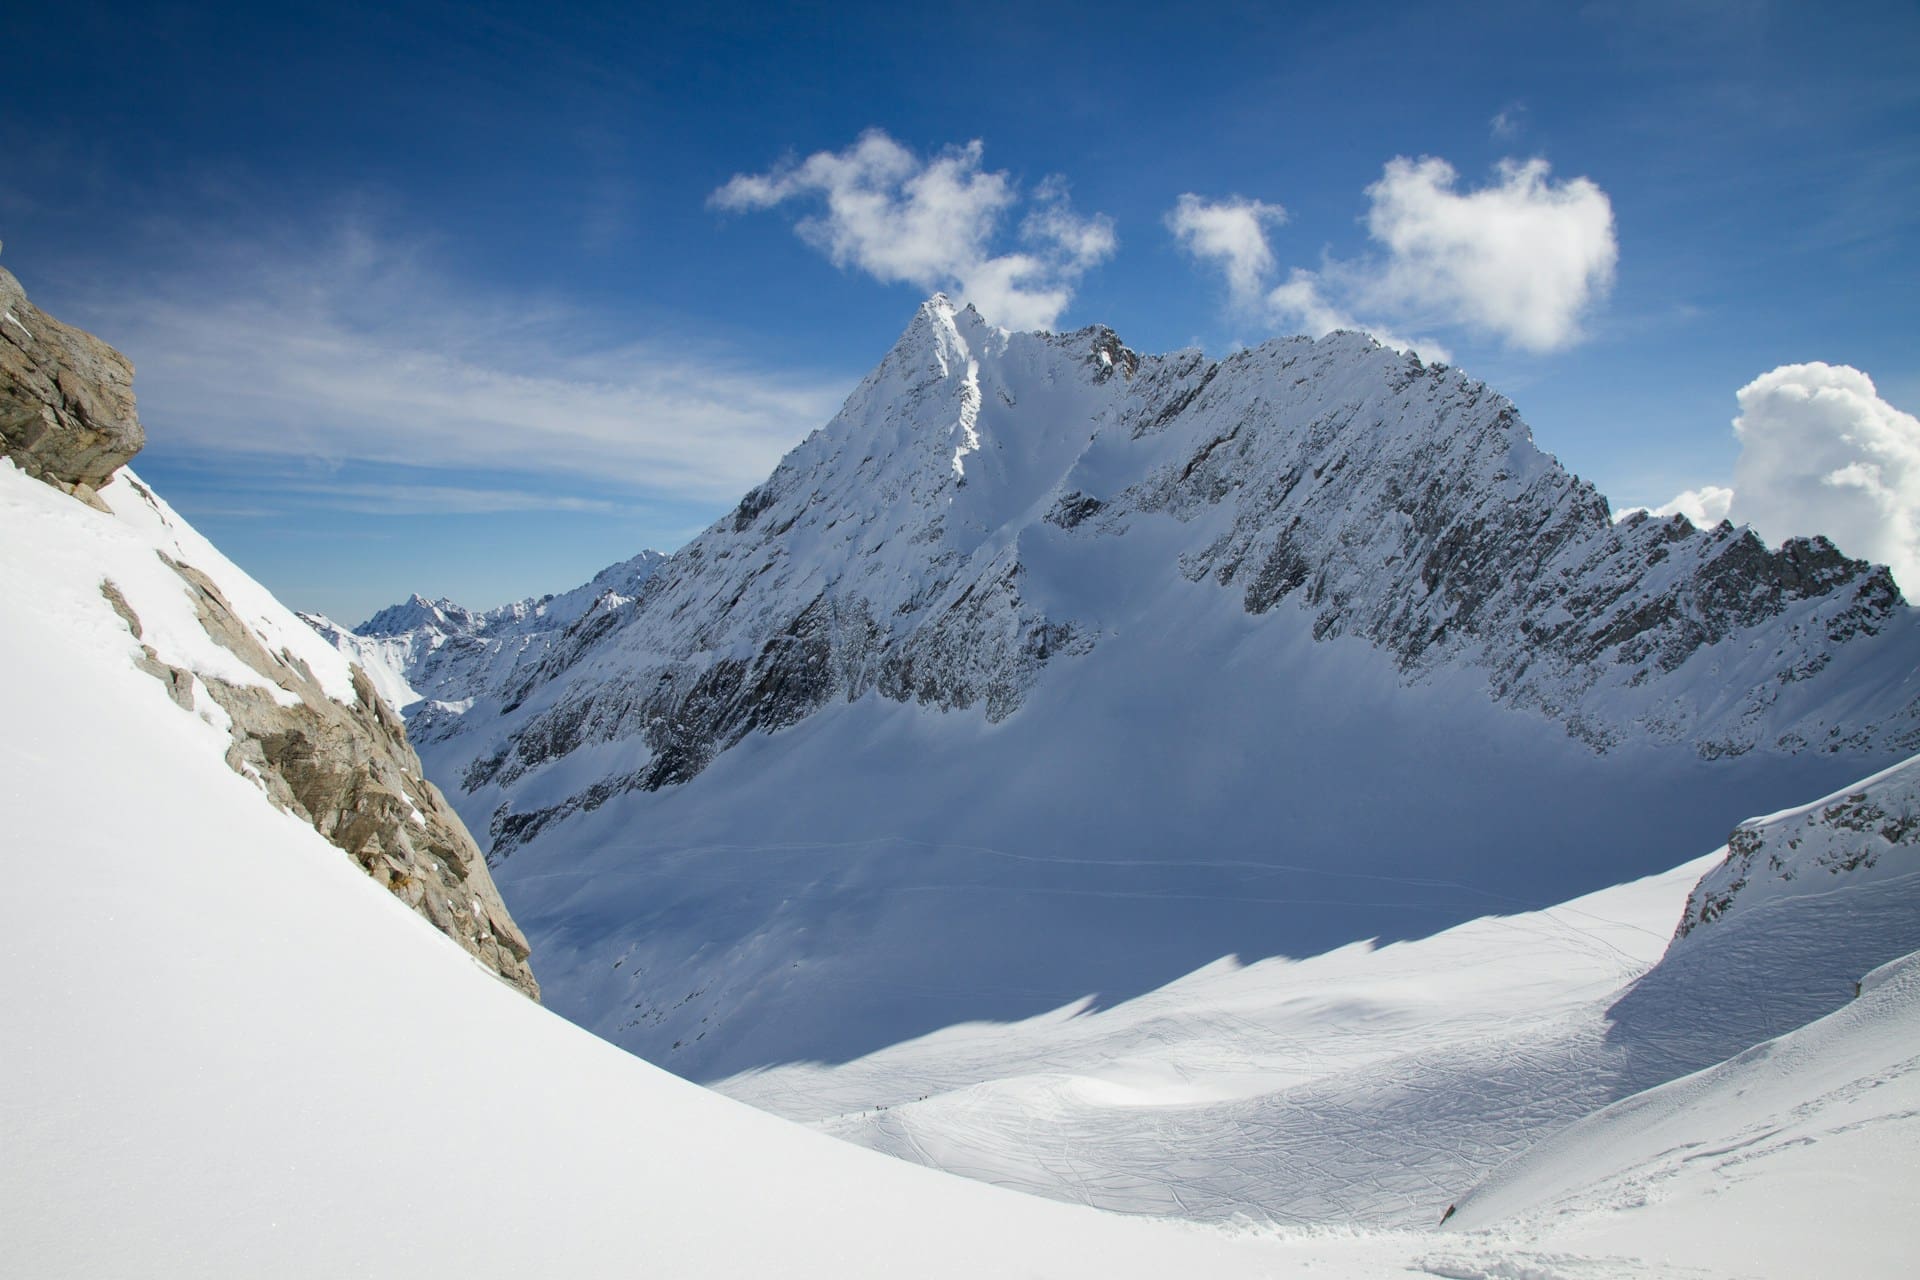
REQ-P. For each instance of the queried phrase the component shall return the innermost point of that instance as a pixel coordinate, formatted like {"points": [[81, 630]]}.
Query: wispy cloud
{"points": [[357, 351], [1522, 259], [1508, 121], [933, 223], [439, 499]]}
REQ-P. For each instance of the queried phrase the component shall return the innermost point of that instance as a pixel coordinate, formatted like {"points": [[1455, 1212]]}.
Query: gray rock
{"points": [[66, 398]]}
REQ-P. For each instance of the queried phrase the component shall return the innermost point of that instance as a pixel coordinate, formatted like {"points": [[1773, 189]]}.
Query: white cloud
{"points": [[354, 352], [1522, 259], [1231, 232], [1821, 452], [932, 223], [1706, 506], [1507, 121]]}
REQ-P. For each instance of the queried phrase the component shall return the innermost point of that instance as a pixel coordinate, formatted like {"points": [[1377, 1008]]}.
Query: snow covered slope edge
{"points": [[285, 710]]}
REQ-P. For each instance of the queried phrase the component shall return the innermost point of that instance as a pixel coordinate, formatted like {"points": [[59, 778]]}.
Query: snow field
{"points": [[229, 1053]]}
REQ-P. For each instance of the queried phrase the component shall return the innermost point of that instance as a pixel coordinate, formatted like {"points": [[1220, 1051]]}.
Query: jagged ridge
{"points": [[1393, 501]]}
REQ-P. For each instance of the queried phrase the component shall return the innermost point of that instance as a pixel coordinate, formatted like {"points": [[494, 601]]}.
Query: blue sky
{"points": [[466, 298]]}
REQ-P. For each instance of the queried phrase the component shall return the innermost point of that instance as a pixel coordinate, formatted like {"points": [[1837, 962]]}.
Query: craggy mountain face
{"points": [[1040, 598], [1395, 502]]}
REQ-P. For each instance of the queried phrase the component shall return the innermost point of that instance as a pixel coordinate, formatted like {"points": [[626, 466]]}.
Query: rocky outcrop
{"points": [[66, 398], [1865, 833], [346, 767], [349, 771]]}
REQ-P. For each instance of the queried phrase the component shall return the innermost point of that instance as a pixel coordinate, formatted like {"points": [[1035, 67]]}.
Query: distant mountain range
{"points": [[434, 655]]}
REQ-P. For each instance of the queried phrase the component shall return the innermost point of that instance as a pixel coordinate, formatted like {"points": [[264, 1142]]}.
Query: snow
{"points": [[1368, 1085], [126, 550], [1866, 831], [880, 870], [385, 660], [232, 1054], [1273, 1081], [1806, 1144]]}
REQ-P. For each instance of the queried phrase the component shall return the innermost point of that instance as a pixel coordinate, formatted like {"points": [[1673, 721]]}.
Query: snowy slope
{"points": [[1864, 833], [1046, 671], [1377, 1085], [1364, 1085], [192, 1087], [1806, 1145], [232, 1054]]}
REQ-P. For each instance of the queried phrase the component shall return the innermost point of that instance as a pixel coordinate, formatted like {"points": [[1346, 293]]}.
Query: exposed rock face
{"points": [[1390, 501], [66, 398], [1868, 832], [66, 413], [349, 771]]}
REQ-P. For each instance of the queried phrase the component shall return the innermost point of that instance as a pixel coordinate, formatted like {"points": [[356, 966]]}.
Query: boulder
{"points": [[66, 398]]}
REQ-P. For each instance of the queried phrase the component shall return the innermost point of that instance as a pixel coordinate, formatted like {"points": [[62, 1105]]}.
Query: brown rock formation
{"points": [[66, 398]]}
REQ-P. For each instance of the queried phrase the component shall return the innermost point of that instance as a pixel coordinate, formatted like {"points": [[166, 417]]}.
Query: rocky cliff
{"points": [[300, 723]]}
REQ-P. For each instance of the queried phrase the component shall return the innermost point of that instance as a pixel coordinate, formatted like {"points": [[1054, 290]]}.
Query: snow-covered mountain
{"points": [[933, 544], [443, 655], [1046, 669], [227, 1019]]}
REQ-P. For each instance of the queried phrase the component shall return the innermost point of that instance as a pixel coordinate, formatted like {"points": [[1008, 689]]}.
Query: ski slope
{"points": [[1369, 1084], [1819, 1126]]}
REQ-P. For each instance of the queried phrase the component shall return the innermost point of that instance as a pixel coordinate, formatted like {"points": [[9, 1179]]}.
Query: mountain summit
{"points": [[1094, 664]]}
